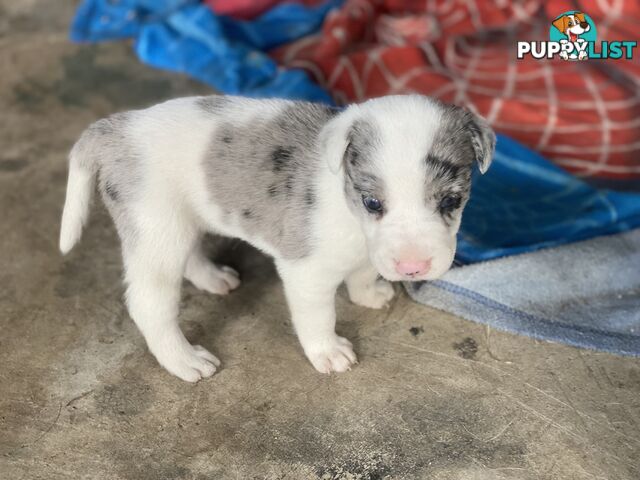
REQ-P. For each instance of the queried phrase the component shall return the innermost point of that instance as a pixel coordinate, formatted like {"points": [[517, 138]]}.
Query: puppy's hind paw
{"points": [[374, 295], [207, 276], [331, 355]]}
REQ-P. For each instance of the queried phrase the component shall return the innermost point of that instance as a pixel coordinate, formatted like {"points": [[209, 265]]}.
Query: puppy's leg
{"points": [[155, 262], [206, 275], [366, 289], [310, 292]]}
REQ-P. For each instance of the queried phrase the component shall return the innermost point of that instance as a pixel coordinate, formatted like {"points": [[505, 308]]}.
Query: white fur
{"points": [[80, 187]]}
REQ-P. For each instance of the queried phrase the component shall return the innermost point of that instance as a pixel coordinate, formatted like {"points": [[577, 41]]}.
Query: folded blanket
{"points": [[586, 294]]}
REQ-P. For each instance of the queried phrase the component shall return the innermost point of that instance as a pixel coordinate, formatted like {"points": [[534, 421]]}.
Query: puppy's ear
{"points": [[333, 141], [580, 16], [561, 23], [483, 139]]}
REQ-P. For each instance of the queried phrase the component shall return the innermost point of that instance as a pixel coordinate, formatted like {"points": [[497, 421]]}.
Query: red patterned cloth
{"points": [[248, 9], [244, 9], [584, 116]]}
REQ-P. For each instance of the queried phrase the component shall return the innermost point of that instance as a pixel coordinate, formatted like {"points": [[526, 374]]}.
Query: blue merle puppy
{"points": [[367, 195]]}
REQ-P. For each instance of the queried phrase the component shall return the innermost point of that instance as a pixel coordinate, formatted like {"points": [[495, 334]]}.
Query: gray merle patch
{"points": [[364, 139], [270, 174]]}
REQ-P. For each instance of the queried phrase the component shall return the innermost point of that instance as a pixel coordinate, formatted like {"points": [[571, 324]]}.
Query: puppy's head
{"points": [[575, 24], [406, 164]]}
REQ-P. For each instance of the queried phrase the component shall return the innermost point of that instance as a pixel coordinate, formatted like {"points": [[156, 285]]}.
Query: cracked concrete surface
{"points": [[433, 397]]}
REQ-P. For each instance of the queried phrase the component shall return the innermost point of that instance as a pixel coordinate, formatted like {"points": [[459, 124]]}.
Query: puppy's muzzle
{"points": [[413, 268]]}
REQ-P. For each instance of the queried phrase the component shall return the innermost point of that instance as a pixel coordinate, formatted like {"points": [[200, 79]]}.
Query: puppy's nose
{"points": [[584, 25], [413, 268]]}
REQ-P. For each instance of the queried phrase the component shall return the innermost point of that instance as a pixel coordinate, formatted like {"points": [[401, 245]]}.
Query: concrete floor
{"points": [[433, 397]]}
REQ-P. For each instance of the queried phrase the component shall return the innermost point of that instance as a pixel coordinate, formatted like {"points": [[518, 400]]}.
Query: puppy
{"points": [[376, 189], [572, 25]]}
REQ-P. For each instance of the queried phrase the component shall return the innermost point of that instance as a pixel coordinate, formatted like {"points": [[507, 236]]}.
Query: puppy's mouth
{"points": [[392, 276], [574, 36], [404, 278]]}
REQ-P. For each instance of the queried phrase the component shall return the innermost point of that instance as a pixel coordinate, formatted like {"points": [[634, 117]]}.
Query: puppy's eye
{"points": [[372, 204], [450, 203]]}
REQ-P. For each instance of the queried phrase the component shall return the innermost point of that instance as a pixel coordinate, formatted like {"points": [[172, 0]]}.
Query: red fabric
{"points": [[243, 9], [584, 116], [248, 9]]}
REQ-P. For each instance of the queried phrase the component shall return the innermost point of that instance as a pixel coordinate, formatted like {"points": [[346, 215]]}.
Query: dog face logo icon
{"points": [[573, 30], [572, 25]]}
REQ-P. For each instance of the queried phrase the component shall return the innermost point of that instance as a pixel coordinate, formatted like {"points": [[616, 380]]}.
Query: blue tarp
{"points": [[523, 203], [225, 53]]}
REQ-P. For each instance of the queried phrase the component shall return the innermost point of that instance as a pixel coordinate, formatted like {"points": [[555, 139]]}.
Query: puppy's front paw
{"points": [[372, 295], [331, 355], [187, 362]]}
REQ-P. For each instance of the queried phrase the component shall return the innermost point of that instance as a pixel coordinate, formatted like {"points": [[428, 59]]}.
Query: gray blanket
{"points": [[585, 294]]}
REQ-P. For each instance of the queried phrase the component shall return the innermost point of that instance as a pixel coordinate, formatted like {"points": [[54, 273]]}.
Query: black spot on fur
{"points": [[309, 197], [227, 139], [281, 157], [288, 184], [247, 213], [111, 191], [272, 190]]}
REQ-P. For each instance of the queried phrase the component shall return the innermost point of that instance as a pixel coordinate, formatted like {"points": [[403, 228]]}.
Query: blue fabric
{"points": [[525, 203], [98, 20], [227, 54]]}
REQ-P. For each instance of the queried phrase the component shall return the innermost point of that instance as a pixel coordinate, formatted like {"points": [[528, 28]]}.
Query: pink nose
{"points": [[413, 268]]}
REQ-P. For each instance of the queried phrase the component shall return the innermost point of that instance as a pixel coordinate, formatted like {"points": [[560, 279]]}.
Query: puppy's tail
{"points": [[83, 167]]}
